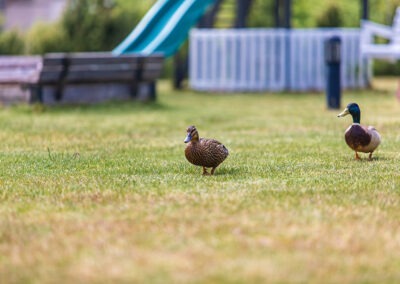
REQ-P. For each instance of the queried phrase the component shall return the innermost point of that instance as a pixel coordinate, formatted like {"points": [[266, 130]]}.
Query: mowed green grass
{"points": [[102, 194]]}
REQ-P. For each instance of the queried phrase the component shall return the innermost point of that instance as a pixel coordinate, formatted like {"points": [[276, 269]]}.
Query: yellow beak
{"points": [[344, 113]]}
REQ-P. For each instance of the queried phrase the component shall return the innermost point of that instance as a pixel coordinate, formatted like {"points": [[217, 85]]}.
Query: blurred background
{"points": [[42, 26]]}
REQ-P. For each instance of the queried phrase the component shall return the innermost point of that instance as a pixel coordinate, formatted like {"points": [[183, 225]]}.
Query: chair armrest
{"points": [[369, 29]]}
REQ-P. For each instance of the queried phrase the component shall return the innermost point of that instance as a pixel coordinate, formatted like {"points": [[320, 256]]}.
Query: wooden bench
{"points": [[16, 72], [389, 51], [73, 77], [87, 77]]}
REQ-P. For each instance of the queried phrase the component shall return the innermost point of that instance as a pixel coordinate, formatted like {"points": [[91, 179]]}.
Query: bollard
{"points": [[332, 63]]}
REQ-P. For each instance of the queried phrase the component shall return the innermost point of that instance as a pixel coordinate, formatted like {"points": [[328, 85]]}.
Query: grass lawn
{"points": [[102, 194]]}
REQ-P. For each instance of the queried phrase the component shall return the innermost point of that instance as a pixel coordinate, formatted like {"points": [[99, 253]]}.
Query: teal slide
{"points": [[164, 28]]}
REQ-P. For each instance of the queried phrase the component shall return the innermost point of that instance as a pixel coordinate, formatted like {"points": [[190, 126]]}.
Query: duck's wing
{"points": [[214, 145], [375, 137]]}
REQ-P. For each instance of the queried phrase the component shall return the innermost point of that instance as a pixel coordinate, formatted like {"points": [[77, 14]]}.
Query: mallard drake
{"points": [[207, 153], [360, 138]]}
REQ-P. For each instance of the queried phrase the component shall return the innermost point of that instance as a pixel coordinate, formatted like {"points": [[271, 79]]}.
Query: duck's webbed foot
{"points": [[357, 156]]}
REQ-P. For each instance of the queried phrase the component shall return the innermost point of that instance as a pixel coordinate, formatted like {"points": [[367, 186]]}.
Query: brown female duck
{"points": [[358, 137], [207, 153]]}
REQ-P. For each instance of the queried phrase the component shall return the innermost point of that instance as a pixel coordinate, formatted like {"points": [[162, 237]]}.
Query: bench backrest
{"points": [[96, 67]]}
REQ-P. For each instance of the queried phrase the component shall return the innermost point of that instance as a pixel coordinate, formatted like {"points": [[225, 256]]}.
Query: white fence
{"points": [[271, 59]]}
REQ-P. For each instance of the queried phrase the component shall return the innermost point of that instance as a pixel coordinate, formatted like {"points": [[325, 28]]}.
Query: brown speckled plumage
{"points": [[207, 153]]}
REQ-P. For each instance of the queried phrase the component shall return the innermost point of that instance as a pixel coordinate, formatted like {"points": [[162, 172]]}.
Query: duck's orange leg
{"points": [[357, 157], [370, 156], [205, 173]]}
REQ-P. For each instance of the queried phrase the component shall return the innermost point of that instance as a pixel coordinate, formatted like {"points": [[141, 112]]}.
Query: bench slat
{"points": [[101, 61], [49, 77], [107, 67], [99, 76]]}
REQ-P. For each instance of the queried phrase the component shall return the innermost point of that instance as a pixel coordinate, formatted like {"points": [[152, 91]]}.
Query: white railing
{"points": [[271, 59], [370, 30]]}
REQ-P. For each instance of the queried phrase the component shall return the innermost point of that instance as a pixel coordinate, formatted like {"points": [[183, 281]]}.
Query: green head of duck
{"points": [[354, 110]]}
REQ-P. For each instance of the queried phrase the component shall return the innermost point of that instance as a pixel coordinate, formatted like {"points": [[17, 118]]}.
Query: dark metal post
{"points": [[242, 11], [277, 14], [208, 20], [152, 91], [287, 23], [288, 14], [365, 61], [180, 66], [332, 62], [364, 9]]}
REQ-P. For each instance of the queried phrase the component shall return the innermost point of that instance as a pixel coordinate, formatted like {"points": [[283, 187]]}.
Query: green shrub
{"points": [[258, 16], [331, 17], [11, 42], [43, 38], [97, 25], [86, 25]]}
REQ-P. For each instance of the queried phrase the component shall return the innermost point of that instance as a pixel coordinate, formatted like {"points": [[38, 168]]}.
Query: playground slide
{"points": [[164, 28]]}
